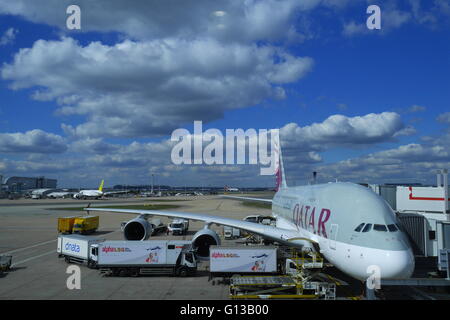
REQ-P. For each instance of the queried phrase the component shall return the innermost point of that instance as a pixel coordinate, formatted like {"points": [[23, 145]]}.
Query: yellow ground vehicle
{"points": [[85, 224], [65, 224]]}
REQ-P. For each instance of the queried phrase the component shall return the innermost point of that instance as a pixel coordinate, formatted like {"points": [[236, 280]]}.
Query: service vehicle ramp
{"points": [[279, 287]]}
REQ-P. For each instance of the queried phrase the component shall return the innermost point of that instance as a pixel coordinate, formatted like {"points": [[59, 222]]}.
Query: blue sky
{"points": [[102, 102]]}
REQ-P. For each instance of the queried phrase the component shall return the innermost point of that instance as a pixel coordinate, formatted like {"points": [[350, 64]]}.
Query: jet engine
{"points": [[137, 229], [202, 240]]}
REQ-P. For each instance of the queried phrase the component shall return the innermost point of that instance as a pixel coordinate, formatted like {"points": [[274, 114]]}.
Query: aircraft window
{"points": [[359, 228], [379, 227], [392, 228], [367, 228]]}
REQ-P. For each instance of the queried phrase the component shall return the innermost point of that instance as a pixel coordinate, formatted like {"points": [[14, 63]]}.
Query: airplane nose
{"points": [[398, 265]]}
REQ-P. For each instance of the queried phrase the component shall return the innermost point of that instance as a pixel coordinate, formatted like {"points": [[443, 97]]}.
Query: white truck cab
{"points": [[179, 226]]}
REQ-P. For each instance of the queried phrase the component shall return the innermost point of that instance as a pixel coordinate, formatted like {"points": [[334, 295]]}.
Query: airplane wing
{"points": [[248, 199], [270, 232]]}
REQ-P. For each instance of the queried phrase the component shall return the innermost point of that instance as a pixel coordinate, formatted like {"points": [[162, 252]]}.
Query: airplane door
{"points": [[333, 236]]}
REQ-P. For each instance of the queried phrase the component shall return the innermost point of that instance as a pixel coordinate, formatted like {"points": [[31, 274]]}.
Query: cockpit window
{"points": [[392, 228], [367, 228], [379, 227], [359, 228]]}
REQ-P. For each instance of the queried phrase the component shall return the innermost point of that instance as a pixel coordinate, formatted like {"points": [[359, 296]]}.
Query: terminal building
{"points": [[18, 184]]}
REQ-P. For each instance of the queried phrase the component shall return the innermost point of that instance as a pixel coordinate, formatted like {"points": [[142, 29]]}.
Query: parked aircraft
{"points": [[351, 226]]}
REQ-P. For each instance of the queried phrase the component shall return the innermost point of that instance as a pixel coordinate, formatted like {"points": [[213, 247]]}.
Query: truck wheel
{"points": [[135, 272], [123, 272], [183, 272]]}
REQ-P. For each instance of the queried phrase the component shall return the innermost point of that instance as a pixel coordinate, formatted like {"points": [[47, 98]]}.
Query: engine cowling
{"points": [[202, 240], [137, 229]]}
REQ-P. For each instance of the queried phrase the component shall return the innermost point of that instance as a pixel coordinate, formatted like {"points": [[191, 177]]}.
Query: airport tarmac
{"points": [[28, 232]]}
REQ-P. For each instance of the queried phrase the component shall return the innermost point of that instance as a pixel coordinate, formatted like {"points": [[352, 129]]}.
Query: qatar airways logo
{"points": [[213, 148], [305, 218]]}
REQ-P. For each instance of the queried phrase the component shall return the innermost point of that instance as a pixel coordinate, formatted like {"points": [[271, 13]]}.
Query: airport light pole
{"points": [[153, 181]]}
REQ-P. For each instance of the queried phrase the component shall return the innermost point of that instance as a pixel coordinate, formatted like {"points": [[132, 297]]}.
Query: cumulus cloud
{"points": [[34, 141], [340, 130], [135, 89], [148, 19], [406, 163]]}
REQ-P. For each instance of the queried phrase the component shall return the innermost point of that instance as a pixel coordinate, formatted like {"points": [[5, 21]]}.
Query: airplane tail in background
{"points": [[279, 167], [100, 188]]}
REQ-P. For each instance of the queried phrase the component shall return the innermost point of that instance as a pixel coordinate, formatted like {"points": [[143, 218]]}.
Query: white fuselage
{"points": [[328, 214], [88, 194], [56, 195]]}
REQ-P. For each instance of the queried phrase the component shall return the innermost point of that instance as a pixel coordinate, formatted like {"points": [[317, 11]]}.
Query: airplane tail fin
{"points": [[100, 188], [279, 167]]}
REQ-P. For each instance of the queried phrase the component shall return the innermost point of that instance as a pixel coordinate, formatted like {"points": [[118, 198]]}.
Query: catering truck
{"points": [[242, 260], [134, 258], [85, 224], [179, 226], [75, 248], [78, 224], [231, 233], [65, 224]]}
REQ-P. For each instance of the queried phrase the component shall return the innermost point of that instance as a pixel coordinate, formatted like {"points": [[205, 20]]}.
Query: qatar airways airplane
{"points": [[351, 226]]}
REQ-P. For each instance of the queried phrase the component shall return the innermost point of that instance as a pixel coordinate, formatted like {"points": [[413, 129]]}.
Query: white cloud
{"points": [[248, 20], [8, 37], [34, 141], [444, 117], [340, 130], [352, 28], [134, 89], [416, 108]]}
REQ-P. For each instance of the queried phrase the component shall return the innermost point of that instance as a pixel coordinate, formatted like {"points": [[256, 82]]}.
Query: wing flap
{"points": [[248, 199]]}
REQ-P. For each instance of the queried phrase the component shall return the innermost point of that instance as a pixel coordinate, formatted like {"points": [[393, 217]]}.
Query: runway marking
{"points": [[33, 246], [32, 258]]}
